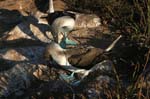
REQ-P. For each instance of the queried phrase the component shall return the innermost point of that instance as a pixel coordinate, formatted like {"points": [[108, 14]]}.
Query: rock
{"points": [[31, 7], [23, 54], [22, 6], [10, 16], [18, 69], [8, 20], [87, 21], [16, 81], [29, 30]]}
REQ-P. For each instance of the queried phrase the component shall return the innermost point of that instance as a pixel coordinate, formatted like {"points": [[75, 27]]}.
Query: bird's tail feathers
{"points": [[111, 46]]}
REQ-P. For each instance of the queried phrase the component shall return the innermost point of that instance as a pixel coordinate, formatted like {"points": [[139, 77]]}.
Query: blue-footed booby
{"points": [[61, 23], [61, 56]]}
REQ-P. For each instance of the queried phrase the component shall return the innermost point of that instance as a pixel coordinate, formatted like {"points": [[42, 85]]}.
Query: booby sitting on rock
{"points": [[62, 56], [61, 22]]}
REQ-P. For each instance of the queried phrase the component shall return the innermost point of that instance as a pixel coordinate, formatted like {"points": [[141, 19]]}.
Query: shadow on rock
{"points": [[8, 20]]}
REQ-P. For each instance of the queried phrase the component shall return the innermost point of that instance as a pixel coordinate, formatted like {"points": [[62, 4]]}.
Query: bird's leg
{"points": [[77, 82]]}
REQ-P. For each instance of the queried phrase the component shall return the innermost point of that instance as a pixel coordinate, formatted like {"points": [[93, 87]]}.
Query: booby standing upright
{"points": [[61, 22]]}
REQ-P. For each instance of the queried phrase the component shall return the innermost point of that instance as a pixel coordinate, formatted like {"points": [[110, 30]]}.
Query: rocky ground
{"points": [[24, 73]]}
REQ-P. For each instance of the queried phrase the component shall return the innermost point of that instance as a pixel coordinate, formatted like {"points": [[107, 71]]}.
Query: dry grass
{"points": [[131, 18]]}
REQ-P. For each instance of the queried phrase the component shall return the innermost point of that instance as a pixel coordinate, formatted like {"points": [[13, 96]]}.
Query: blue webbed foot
{"points": [[66, 42], [70, 79], [70, 42], [67, 78], [63, 44]]}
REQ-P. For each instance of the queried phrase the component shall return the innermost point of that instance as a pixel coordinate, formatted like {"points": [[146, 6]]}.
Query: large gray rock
{"points": [[87, 21]]}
